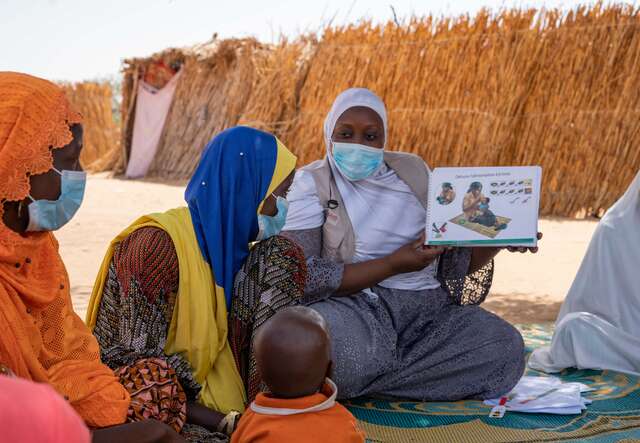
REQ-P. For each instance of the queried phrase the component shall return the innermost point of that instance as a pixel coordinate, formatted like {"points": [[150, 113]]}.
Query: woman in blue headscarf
{"points": [[180, 294]]}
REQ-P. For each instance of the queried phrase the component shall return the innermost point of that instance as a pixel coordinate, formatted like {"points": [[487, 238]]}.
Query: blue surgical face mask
{"points": [[356, 161], [272, 225], [50, 215]]}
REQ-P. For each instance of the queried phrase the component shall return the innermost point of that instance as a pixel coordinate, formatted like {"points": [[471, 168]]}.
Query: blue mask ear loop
{"points": [[58, 172], [275, 197]]}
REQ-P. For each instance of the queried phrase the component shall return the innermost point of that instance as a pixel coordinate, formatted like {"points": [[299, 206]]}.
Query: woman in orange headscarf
{"points": [[41, 188]]}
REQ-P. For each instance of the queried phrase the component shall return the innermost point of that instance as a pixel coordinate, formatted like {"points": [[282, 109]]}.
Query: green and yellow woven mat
{"points": [[613, 416]]}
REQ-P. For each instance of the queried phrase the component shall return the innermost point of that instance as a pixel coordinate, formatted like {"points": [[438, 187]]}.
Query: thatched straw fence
{"points": [[101, 135], [518, 88]]}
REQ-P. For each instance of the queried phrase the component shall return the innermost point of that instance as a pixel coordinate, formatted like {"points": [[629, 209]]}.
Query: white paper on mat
{"points": [[545, 395]]}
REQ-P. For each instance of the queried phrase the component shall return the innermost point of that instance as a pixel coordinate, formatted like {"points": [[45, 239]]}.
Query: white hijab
{"points": [[348, 99], [599, 323], [383, 210]]}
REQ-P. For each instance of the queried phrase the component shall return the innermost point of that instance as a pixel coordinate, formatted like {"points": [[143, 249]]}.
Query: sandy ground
{"points": [[526, 288]]}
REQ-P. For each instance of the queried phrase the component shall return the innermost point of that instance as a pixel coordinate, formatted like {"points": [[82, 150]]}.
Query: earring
{"points": [[22, 208]]}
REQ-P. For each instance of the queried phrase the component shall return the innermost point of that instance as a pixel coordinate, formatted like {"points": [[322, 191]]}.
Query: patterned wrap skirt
{"points": [[136, 308]]}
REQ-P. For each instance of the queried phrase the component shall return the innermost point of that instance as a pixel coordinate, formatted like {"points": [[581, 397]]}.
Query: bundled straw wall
{"points": [[101, 135], [280, 74], [210, 97], [518, 88]]}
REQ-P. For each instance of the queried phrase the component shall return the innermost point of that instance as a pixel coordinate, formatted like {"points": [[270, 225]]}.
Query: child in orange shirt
{"points": [[293, 356]]}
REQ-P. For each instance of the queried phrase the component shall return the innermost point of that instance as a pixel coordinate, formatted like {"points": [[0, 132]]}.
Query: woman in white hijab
{"points": [[599, 323], [401, 315]]}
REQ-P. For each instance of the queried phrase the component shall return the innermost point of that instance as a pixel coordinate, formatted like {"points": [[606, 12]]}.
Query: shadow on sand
{"points": [[523, 308]]}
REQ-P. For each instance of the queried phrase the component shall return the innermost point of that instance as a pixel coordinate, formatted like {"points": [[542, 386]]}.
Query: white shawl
{"points": [[599, 323]]}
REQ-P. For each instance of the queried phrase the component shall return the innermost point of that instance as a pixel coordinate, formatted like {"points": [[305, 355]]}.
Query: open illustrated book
{"points": [[483, 206]]}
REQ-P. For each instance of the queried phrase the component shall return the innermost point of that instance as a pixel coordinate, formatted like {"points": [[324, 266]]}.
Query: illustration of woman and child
{"points": [[476, 208], [447, 195]]}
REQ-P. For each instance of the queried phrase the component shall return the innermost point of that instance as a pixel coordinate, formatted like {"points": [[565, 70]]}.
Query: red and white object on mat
{"points": [[499, 410], [541, 395]]}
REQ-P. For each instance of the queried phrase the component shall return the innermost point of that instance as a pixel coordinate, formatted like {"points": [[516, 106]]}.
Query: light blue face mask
{"points": [[50, 215], [356, 161], [272, 225]]}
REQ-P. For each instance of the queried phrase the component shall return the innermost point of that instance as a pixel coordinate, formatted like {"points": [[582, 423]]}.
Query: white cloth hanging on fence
{"points": [[152, 107]]}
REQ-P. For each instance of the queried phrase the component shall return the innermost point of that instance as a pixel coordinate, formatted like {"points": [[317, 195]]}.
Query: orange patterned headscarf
{"points": [[41, 337], [34, 117]]}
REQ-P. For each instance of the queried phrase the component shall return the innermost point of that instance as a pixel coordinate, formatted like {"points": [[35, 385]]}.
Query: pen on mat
{"points": [[535, 397]]}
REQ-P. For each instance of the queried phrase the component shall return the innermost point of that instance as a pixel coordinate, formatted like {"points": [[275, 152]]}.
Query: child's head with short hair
{"points": [[293, 352]]}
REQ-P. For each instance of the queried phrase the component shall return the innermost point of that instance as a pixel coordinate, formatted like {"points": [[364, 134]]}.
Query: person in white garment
{"points": [[599, 323], [402, 318]]}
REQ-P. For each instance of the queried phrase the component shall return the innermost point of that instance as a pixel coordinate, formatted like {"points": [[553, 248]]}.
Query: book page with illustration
{"points": [[483, 206]]}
